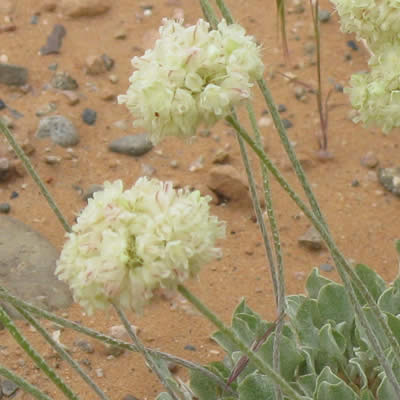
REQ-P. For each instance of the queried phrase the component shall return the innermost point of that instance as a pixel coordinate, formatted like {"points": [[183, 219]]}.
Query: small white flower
{"points": [[127, 244], [193, 76]]}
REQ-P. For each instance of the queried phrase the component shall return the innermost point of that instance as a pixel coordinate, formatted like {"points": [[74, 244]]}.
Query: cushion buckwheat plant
{"points": [[127, 244], [193, 76]]}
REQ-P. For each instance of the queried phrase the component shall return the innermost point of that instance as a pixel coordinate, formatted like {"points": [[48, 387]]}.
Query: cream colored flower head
{"points": [[193, 76], [127, 244]]}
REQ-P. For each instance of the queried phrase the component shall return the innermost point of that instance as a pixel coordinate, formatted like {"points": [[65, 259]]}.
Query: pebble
{"points": [[89, 116], [8, 387], [282, 108], [369, 160], [60, 130], [2, 105], [46, 109], [287, 123], [174, 164], [324, 15], [85, 346], [99, 372], [84, 8], [91, 190], [34, 19], [6, 169], [311, 239], [148, 170], [108, 61], [339, 87], [300, 92], [5, 208], [62, 80], [132, 145], [95, 65], [326, 267], [71, 96], [121, 124], [355, 183], [197, 164], [120, 34], [52, 160], [352, 44], [389, 178], [54, 40], [264, 122], [190, 347], [14, 195], [220, 157], [13, 75]]}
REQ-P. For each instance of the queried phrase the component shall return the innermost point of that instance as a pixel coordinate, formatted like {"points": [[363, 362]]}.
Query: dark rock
{"points": [[60, 130], [311, 239], [282, 108], [6, 169], [85, 346], [89, 116], [324, 15], [287, 123], [2, 104], [132, 145], [34, 19], [352, 44], [62, 80], [27, 265], [390, 179], [13, 75], [108, 61], [190, 347], [355, 183], [5, 208], [8, 387], [326, 267], [339, 88], [14, 195], [54, 40]]}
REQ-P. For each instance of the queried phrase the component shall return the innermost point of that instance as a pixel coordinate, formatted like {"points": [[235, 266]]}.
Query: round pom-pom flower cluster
{"points": [[128, 244], [193, 76], [375, 94]]}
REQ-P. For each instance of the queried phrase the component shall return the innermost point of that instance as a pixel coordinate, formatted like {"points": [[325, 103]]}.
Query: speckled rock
{"points": [[13, 75], [390, 179], [60, 130], [132, 145]]}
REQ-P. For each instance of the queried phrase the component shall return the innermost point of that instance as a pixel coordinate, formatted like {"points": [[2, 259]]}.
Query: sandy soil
{"points": [[362, 218]]}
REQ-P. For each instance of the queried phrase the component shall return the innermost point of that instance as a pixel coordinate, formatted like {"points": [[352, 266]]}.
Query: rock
{"points": [[52, 160], [5, 208], [311, 239], [91, 190], [108, 61], [229, 184], [264, 122], [324, 15], [326, 267], [132, 145], [190, 347], [54, 40], [369, 160], [84, 8], [282, 108], [60, 130], [85, 346], [6, 169], [287, 123], [62, 80], [2, 105], [46, 109], [148, 170], [304, 159], [120, 34], [118, 332], [352, 44], [95, 65], [13, 75], [220, 157], [89, 116], [49, 5], [72, 97], [300, 93], [27, 265], [8, 387], [390, 179]]}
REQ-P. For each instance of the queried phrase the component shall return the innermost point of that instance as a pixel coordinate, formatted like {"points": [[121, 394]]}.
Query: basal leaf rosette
{"points": [[193, 76], [128, 244]]}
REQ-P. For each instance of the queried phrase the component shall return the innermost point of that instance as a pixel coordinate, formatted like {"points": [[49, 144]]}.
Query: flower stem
{"points": [[36, 357], [209, 14], [28, 165], [23, 384], [254, 357], [63, 354]]}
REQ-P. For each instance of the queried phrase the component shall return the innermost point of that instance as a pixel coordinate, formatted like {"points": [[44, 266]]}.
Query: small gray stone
{"points": [[369, 160], [282, 108], [108, 61], [60, 130], [311, 239], [85, 346], [287, 123], [13, 75], [54, 40], [324, 15], [5, 208], [27, 265], [190, 347], [326, 267], [132, 145], [8, 387], [62, 80], [390, 179], [89, 116], [6, 169], [91, 190]]}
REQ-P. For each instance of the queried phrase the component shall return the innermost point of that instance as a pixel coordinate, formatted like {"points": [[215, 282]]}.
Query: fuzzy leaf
{"points": [[327, 375], [245, 326], [374, 283], [256, 387], [224, 341], [356, 372], [293, 304], [334, 304], [333, 343], [307, 323], [315, 282], [335, 391], [394, 324], [307, 383], [385, 390], [164, 396], [389, 300], [366, 394]]}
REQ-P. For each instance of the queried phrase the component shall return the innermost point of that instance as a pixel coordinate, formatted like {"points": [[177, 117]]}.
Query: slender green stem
{"points": [[254, 357], [23, 384], [63, 354], [225, 12], [209, 13], [151, 361], [343, 268], [36, 357], [28, 165], [108, 339]]}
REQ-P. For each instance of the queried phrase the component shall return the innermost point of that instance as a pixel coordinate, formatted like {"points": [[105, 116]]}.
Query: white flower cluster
{"points": [[375, 94], [127, 244], [192, 76]]}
